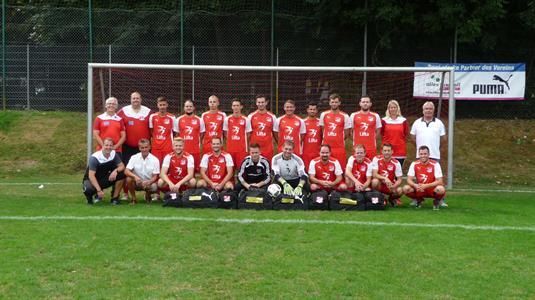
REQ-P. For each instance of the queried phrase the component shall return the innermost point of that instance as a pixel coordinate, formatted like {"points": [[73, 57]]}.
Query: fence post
{"points": [[28, 76]]}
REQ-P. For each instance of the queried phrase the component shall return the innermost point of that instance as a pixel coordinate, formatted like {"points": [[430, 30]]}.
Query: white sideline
{"points": [[259, 221]]}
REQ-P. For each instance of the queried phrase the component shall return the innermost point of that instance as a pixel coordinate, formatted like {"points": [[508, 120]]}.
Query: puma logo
{"points": [[498, 78]]}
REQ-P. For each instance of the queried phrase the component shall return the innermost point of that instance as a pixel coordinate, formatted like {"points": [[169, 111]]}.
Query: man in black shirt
{"points": [[105, 169], [254, 171]]}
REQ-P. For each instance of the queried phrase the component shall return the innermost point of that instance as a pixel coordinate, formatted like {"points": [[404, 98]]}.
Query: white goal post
{"points": [[449, 70]]}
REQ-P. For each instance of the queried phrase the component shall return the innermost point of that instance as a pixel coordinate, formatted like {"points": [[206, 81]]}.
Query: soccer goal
{"points": [[410, 86]]}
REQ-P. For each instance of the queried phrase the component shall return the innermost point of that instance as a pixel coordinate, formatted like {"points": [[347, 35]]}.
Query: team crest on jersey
{"points": [[219, 118], [296, 123], [194, 122], [142, 118], [106, 123], [242, 122], [429, 170], [362, 168], [166, 121], [370, 118], [331, 168], [131, 123], [337, 119], [221, 160], [390, 168], [182, 162], [269, 120]]}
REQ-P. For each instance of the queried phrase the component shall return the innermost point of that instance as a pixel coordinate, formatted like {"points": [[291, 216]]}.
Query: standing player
{"points": [[325, 172], [424, 180], [262, 124], [136, 122], [395, 131], [213, 121], [191, 129], [366, 126], [216, 168], [336, 128], [312, 138], [162, 125], [358, 171], [235, 128], [177, 169], [290, 127], [387, 174], [109, 125]]}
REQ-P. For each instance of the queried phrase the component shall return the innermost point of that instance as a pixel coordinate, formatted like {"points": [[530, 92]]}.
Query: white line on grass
{"points": [[38, 183], [271, 221]]}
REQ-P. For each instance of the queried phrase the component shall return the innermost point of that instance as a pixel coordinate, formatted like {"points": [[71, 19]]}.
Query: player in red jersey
{"points": [[387, 173], [395, 131], [424, 180], [177, 170], [213, 121], [136, 122], [336, 128], [312, 138], [235, 128], [163, 127], [366, 125], [216, 168], [325, 172], [358, 171], [290, 127], [262, 123], [191, 129], [109, 125]]}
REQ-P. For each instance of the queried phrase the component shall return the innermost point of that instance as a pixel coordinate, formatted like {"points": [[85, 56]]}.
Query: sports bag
{"points": [[287, 202], [346, 201], [319, 200], [375, 200], [255, 199], [200, 198], [171, 199], [228, 199]]}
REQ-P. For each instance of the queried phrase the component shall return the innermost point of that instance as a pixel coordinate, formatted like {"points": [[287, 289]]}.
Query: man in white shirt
{"points": [[142, 173]]}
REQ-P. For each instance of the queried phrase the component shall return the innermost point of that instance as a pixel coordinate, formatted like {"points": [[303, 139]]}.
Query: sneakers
{"points": [[124, 197], [414, 203], [436, 207], [155, 197], [115, 201], [443, 203], [89, 200], [418, 205], [96, 199]]}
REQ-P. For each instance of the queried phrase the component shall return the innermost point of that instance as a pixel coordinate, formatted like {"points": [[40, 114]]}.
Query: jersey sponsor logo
{"points": [[326, 175], [332, 129], [384, 173], [189, 130], [261, 126], [364, 126], [236, 130], [178, 171], [423, 177], [313, 132], [161, 130], [289, 130], [213, 126]]}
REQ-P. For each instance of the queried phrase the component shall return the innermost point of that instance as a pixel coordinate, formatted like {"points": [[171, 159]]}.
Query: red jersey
{"points": [[216, 165], [109, 127], [390, 169], [177, 166], [262, 125], [364, 125], [237, 128], [425, 173], [290, 128], [325, 171], [213, 123], [162, 131], [190, 129], [334, 125], [361, 170], [395, 132], [312, 140], [136, 124]]}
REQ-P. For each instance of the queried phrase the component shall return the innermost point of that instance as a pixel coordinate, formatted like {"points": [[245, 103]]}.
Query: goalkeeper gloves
{"points": [[298, 191], [288, 190]]}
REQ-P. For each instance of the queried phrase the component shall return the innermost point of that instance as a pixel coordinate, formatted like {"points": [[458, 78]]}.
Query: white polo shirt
{"points": [[144, 168], [428, 134]]}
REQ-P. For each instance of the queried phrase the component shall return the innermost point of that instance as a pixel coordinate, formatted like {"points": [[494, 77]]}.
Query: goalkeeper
{"points": [[289, 171]]}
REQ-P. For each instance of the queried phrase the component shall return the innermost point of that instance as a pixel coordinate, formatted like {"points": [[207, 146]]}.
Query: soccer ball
{"points": [[274, 190]]}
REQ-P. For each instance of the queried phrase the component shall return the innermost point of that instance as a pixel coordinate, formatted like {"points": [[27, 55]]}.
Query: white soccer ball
{"points": [[274, 190]]}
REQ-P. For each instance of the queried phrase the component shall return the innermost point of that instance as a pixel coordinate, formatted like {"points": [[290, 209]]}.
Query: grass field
{"points": [[53, 245]]}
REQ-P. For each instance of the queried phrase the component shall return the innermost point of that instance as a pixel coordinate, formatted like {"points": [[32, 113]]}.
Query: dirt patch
{"points": [[40, 129]]}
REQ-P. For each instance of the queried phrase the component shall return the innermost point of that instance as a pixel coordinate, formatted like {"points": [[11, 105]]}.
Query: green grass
{"points": [[132, 258]]}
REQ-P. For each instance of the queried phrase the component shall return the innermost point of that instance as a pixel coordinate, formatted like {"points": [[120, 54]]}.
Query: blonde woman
{"points": [[395, 131]]}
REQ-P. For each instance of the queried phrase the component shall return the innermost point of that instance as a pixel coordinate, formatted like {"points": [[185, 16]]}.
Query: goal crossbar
{"points": [[449, 70]]}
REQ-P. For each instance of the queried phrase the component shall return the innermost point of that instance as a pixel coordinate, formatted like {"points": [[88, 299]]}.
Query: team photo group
{"points": [[263, 161]]}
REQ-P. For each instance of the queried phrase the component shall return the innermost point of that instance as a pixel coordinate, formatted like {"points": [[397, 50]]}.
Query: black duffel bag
{"points": [[319, 200], [228, 199], [287, 202], [255, 199], [374, 200], [347, 201], [200, 198]]}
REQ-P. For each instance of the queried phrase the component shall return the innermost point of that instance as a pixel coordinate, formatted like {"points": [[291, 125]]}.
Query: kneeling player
{"points": [[177, 169], [358, 171], [425, 180], [142, 173], [217, 168], [289, 171], [387, 174], [254, 171], [326, 172]]}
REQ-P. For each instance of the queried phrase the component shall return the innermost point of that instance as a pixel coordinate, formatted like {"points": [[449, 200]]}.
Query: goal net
{"points": [[410, 86]]}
